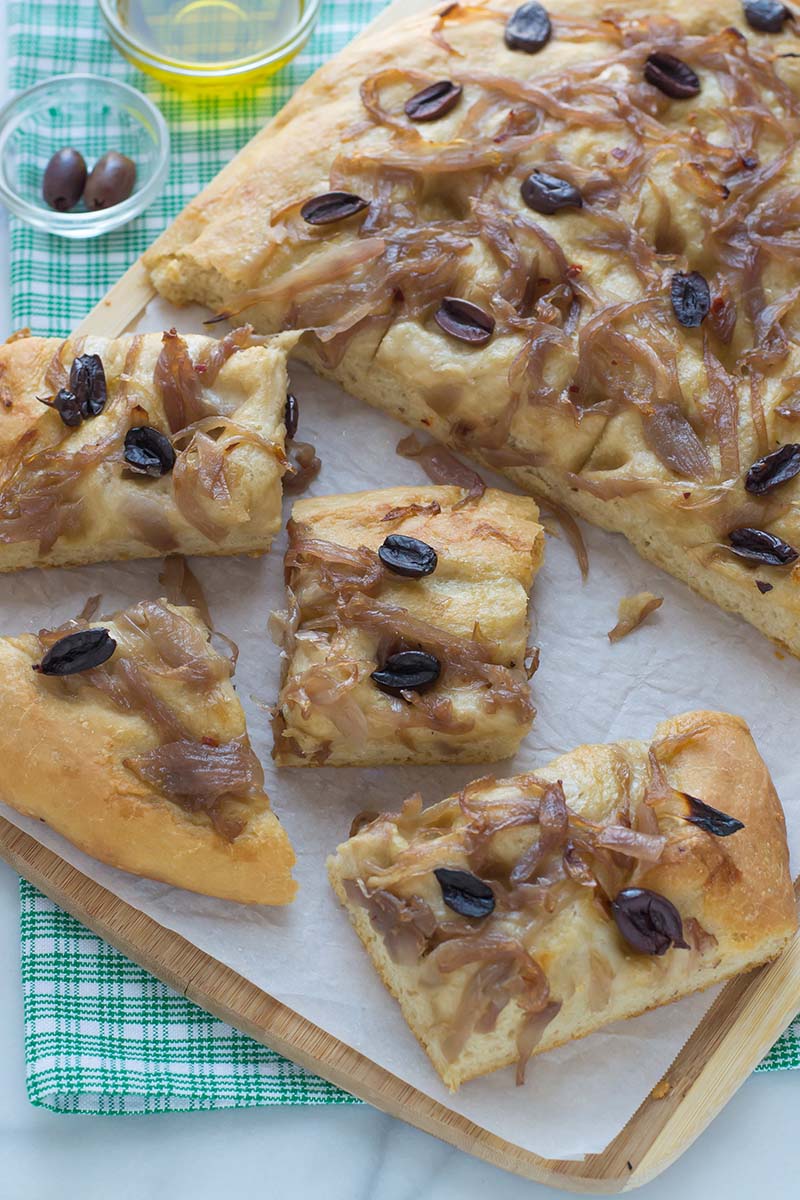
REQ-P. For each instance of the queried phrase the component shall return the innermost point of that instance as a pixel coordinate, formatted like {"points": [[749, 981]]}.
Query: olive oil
{"points": [[209, 32], [203, 38]]}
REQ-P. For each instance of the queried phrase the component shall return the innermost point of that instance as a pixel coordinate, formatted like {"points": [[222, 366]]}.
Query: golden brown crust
{"points": [[489, 550], [64, 746], [696, 201], [734, 894], [112, 513]]}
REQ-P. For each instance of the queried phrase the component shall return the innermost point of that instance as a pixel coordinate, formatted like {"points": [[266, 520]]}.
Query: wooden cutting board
{"points": [[737, 1031]]}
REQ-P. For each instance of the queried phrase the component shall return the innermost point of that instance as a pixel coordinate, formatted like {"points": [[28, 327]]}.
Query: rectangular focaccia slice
{"points": [[141, 760], [72, 493], [407, 627], [526, 912]]}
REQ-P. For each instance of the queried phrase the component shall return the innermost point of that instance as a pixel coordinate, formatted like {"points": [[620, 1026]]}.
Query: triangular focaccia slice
{"points": [[613, 880], [626, 226], [143, 760], [157, 444], [406, 634]]}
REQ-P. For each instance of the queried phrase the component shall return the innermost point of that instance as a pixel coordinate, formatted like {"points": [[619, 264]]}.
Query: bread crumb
{"points": [[632, 611], [661, 1090]]}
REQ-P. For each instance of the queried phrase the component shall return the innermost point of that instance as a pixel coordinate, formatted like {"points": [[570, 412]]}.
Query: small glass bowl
{"points": [[196, 44], [93, 114]]}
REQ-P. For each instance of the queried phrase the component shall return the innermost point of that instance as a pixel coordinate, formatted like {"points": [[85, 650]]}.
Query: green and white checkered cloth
{"points": [[101, 1035]]}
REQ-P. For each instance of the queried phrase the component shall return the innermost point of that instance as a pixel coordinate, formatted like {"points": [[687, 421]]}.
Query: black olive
{"points": [[464, 320], [332, 206], [433, 102], [691, 298], [465, 893], [773, 469], [760, 546], [407, 671], [671, 75], [547, 193], [648, 921], [67, 405], [712, 820], [291, 415], [111, 181], [767, 16], [528, 28], [77, 652], [149, 451], [87, 379], [64, 179], [407, 556]]}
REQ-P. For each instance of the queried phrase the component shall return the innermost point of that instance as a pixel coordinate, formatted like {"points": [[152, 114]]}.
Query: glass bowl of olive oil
{"points": [[209, 43]]}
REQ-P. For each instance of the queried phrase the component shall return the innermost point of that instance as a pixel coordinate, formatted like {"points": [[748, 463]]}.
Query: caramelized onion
{"points": [[725, 409], [325, 689], [572, 532], [463, 658], [553, 824], [201, 775], [127, 688], [698, 938], [330, 266], [531, 1033], [181, 586], [429, 509], [443, 467], [633, 610], [404, 925], [644, 846], [601, 979], [200, 487], [306, 467], [214, 359], [338, 570], [37, 500], [176, 382], [672, 439]]}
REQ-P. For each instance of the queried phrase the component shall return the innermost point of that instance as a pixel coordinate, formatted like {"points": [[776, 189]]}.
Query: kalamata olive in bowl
{"points": [[111, 181], [64, 179]]}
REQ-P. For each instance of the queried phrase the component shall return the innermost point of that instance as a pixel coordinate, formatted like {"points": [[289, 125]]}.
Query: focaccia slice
{"points": [[152, 444], [615, 879], [140, 755], [407, 627], [561, 251]]}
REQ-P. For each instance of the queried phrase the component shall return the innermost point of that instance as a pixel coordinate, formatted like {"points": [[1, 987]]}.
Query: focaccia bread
{"points": [[526, 912], [126, 736], [145, 445], [561, 251], [405, 639]]}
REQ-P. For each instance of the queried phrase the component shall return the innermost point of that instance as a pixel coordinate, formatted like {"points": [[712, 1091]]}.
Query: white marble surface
{"points": [[332, 1153]]}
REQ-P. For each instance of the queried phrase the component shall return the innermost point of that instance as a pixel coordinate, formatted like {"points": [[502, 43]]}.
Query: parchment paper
{"points": [[688, 655]]}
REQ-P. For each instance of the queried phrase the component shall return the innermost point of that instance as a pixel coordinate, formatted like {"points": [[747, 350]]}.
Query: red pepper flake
{"points": [[763, 586]]}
